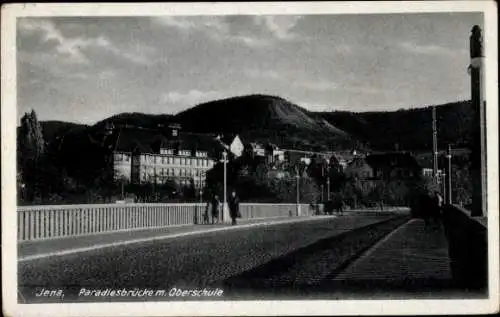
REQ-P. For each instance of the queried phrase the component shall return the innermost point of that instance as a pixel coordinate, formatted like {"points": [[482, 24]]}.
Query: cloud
{"points": [[430, 49], [364, 89], [69, 48], [289, 78], [189, 23], [72, 49], [215, 27], [318, 85], [312, 106], [258, 73], [280, 26], [191, 97]]}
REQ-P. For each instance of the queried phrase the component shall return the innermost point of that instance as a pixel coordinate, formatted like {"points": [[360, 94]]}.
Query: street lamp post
{"points": [[224, 160], [448, 156], [298, 192], [328, 183], [445, 190]]}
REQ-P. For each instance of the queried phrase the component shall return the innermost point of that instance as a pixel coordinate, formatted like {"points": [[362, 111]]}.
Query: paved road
{"points": [[204, 260]]}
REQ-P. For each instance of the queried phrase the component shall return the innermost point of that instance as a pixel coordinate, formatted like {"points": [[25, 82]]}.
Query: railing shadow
{"points": [[467, 247]]}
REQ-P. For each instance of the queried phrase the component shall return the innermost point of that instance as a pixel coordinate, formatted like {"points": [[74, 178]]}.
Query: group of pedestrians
{"points": [[214, 209], [431, 209]]}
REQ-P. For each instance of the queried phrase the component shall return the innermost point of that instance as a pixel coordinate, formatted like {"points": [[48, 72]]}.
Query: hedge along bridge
{"points": [[45, 222]]}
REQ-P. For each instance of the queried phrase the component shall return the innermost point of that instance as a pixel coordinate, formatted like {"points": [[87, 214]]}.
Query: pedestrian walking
{"points": [[215, 209], [208, 208], [234, 207], [436, 212], [426, 207]]}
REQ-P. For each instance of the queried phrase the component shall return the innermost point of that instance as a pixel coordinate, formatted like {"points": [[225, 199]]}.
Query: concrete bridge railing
{"points": [[467, 247], [45, 222]]}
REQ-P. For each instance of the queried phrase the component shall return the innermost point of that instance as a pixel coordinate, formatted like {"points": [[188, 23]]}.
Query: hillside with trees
{"points": [[72, 160], [409, 129]]}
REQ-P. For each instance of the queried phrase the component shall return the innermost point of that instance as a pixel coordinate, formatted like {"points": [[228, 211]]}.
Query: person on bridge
{"points": [[208, 208], [438, 205], [234, 207], [215, 209]]}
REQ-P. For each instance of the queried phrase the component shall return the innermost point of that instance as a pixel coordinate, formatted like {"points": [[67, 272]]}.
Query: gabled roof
{"points": [[150, 141], [197, 142], [392, 160], [227, 138], [143, 140]]}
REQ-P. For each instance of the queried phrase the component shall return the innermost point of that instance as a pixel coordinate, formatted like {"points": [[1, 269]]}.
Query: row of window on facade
{"points": [[183, 153], [164, 179], [165, 160], [428, 172], [182, 172]]}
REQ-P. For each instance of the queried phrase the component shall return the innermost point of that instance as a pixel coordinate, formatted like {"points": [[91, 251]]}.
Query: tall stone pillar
{"points": [[478, 146]]}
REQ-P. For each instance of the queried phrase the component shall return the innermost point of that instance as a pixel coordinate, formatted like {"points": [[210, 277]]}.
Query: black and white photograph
{"points": [[250, 159]]}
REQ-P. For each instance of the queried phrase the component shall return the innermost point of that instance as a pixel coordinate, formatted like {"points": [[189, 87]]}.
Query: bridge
{"points": [[276, 251]]}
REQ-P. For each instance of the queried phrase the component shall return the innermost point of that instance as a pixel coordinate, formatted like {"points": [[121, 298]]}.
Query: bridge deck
{"points": [[414, 258], [43, 248]]}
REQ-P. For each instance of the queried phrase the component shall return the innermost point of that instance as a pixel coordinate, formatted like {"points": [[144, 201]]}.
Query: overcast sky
{"points": [[86, 69]]}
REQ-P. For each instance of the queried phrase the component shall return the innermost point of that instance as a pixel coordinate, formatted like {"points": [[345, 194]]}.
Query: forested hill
{"points": [[408, 129], [261, 117]]}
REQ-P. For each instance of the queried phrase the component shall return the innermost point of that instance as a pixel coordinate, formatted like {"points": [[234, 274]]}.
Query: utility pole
{"points": [[298, 192], [201, 192], [224, 158], [445, 191], [448, 156], [122, 183], [328, 182], [434, 145]]}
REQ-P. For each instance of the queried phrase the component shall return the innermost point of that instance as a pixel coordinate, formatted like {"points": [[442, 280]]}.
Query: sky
{"points": [[84, 69]]}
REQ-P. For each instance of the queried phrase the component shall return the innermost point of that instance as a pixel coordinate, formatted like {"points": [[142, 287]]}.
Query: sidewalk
{"points": [[30, 250], [413, 258]]}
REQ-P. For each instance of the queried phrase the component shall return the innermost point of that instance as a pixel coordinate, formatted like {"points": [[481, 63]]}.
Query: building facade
{"points": [[142, 156]]}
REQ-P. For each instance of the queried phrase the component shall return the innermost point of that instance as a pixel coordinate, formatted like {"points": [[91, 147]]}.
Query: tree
{"points": [[31, 149], [189, 191], [462, 187]]}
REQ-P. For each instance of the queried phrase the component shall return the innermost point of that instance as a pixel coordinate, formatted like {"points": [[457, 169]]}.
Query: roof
{"points": [[150, 141], [228, 138], [256, 145], [392, 160], [143, 140], [197, 142]]}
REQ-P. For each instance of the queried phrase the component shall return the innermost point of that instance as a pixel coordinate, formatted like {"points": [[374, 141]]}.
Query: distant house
{"points": [[273, 153], [305, 160], [344, 158], [426, 162], [255, 149], [359, 168], [388, 166], [232, 143], [293, 157], [385, 166]]}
